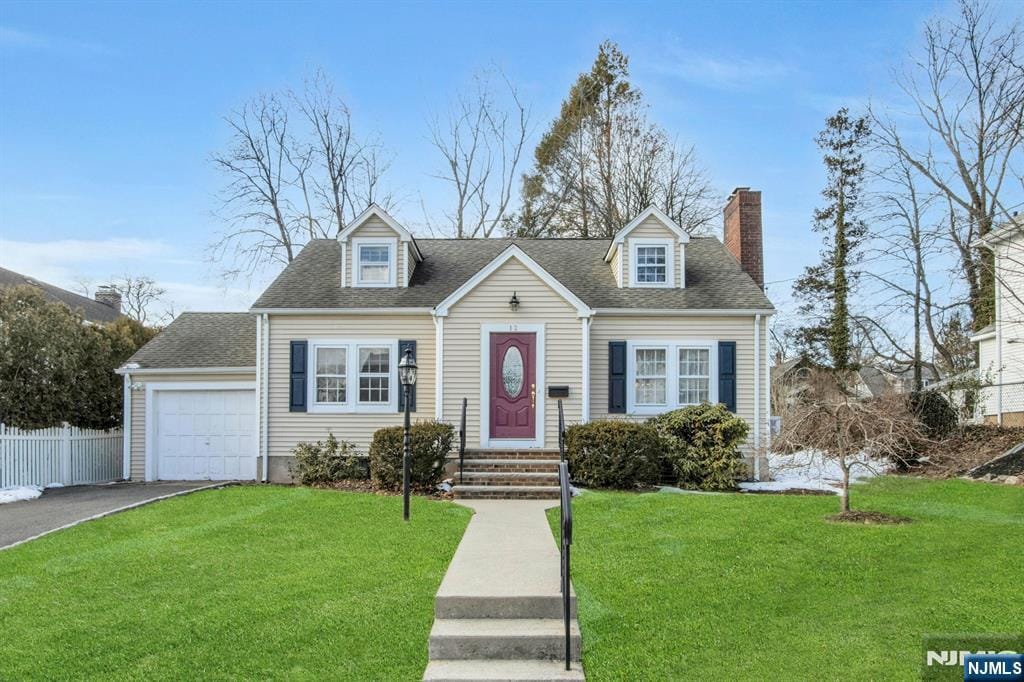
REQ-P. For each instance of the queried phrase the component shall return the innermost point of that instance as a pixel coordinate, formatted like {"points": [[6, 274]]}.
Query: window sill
{"points": [[353, 409]]}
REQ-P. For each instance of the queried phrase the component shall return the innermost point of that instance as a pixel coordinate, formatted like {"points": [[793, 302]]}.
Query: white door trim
{"points": [[153, 388], [485, 387]]}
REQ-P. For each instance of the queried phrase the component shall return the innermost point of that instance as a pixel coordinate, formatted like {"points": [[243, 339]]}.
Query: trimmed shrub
{"points": [[936, 414], [328, 462], [613, 453], [431, 443], [703, 444]]}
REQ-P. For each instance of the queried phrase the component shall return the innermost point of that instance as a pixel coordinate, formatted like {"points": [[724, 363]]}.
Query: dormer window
{"points": [[375, 262], [652, 262]]}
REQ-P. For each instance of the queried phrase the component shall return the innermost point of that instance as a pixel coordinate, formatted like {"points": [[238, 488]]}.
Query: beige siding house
{"points": [[650, 320]]}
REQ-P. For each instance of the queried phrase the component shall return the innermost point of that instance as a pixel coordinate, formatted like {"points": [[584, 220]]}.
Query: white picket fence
{"points": [[62, 454]]}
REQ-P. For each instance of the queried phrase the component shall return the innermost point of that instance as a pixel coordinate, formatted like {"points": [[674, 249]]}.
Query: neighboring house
{"points": [[1001, 344], [623, 328], [871, 381], [105, 308]]}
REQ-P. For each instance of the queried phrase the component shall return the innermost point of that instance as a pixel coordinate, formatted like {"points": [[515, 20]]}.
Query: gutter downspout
{"points": [[999, 338], [438, 368], [585, 379], [757, 397], [265, 390], [126, 429]]}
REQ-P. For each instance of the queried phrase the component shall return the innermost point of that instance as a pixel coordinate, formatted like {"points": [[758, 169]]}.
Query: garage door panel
{"points": [[206, 434]]}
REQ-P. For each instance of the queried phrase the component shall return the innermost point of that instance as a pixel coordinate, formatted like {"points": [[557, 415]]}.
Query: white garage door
{"points": [[206, 435]]}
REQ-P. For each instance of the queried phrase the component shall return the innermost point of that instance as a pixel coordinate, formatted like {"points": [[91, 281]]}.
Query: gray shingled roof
{"points": [[202, 340], [714, 279], [91, 310]]}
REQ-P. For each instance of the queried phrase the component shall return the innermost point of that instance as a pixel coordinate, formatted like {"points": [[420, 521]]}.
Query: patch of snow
{"points": [[54, 485], [20, 493], [810, 470]]}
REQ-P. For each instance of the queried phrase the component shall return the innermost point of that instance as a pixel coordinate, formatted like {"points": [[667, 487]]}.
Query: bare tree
{"points": [[139, 296], [294, 171], [967, 90], [481, 139], [828, 420]]}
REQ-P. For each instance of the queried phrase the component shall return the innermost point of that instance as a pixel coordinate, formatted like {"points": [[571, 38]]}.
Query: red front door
{"points": [[513, 385]]}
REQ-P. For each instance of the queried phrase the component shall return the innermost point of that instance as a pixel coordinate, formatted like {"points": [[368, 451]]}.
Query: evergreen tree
{"points": [[824, 288], [601, 162]]}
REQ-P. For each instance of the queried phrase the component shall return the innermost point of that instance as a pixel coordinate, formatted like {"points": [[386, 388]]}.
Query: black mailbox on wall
{"points": [[558, 391]]}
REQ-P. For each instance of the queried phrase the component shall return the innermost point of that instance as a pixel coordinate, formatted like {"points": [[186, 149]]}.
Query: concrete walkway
{"points": [[60, 508], [498, 612]]}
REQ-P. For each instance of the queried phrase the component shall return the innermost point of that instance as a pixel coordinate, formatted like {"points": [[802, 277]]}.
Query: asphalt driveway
{"points": [[60, 507]]}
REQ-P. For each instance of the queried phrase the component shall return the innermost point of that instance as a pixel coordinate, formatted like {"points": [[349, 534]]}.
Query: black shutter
{"points": [[617, 377], [402, 345], [297, 384], [727, 374]]}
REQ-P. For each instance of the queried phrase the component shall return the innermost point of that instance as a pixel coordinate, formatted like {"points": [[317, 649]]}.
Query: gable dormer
{"points": [[649, 252], [377, 251]]}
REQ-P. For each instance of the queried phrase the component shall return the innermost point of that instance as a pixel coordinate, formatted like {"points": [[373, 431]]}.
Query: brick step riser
{"points": [[499, 494], [512, 480], [511, 454], [511, 467]]}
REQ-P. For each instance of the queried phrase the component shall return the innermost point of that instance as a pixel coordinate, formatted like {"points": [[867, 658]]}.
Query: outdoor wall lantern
{"points": [[513, 302], [407, 377]]}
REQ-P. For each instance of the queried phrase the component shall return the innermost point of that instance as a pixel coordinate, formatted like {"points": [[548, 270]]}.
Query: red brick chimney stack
{"points": [[743, 231]]}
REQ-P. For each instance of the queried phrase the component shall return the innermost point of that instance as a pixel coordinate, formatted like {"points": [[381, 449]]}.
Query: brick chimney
{"points": [[108, 295], [743, 231]]}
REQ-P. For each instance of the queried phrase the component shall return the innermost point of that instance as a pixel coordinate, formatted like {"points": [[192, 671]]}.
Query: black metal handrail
{"points": [[561, 432], [462, 437], [564, 544]]}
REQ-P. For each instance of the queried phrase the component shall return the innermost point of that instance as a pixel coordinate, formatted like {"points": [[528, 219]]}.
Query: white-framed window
{"points": [[374, 262], [651, 382], [665, 374], [694, 375], [330, 375], [374, 375], [353, 375], [652, 262]]}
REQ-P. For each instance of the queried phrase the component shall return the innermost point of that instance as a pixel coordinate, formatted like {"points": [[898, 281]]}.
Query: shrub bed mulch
{"points": [[868, 518], [970, 447], [362, 485]]}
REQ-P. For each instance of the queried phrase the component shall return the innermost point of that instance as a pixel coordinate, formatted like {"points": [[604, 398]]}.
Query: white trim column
{"points": [[757, 397], [264, 390], [126, 429], [439, 368], [585, 383]]}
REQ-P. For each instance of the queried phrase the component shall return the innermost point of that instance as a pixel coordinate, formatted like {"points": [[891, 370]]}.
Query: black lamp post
{"points": [[407, 376]]}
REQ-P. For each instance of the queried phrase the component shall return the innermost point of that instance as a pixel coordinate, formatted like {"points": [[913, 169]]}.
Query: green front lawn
{"points": [[247, 582], [761, 587]]}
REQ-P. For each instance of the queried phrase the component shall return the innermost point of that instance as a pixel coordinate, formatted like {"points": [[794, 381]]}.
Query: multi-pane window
{"points": [[374, 264], [694, 375], [651, 265], [374, 374], [651, 376], [331, 381]]}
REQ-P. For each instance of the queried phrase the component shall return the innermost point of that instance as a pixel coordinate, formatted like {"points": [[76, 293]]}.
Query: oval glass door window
{"points": [[512, 372]]}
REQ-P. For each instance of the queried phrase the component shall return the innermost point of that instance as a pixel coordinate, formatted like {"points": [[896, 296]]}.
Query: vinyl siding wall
{"points": [[286, 428], [625, 328], [373, 227], [488, 304], [138, 443], [652, 228], [1007, 344]]}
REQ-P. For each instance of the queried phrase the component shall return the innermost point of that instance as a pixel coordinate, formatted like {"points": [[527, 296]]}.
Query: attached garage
{"points": [[191, 408], [201, 432]]}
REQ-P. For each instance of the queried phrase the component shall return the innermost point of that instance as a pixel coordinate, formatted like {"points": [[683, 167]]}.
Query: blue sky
{"points": [[109, 112]]}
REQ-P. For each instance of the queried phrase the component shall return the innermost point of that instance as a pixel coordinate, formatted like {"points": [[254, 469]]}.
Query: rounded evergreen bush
{"points": [[328, 462], [703, 444], [613, 453], [431, 443]]}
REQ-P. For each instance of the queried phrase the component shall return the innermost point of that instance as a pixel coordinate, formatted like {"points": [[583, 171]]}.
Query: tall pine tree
{"points": [[824, 288]]}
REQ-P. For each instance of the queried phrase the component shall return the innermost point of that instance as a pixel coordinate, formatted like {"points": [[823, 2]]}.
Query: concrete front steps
{"points": [[508, 474], [498, 612]]}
